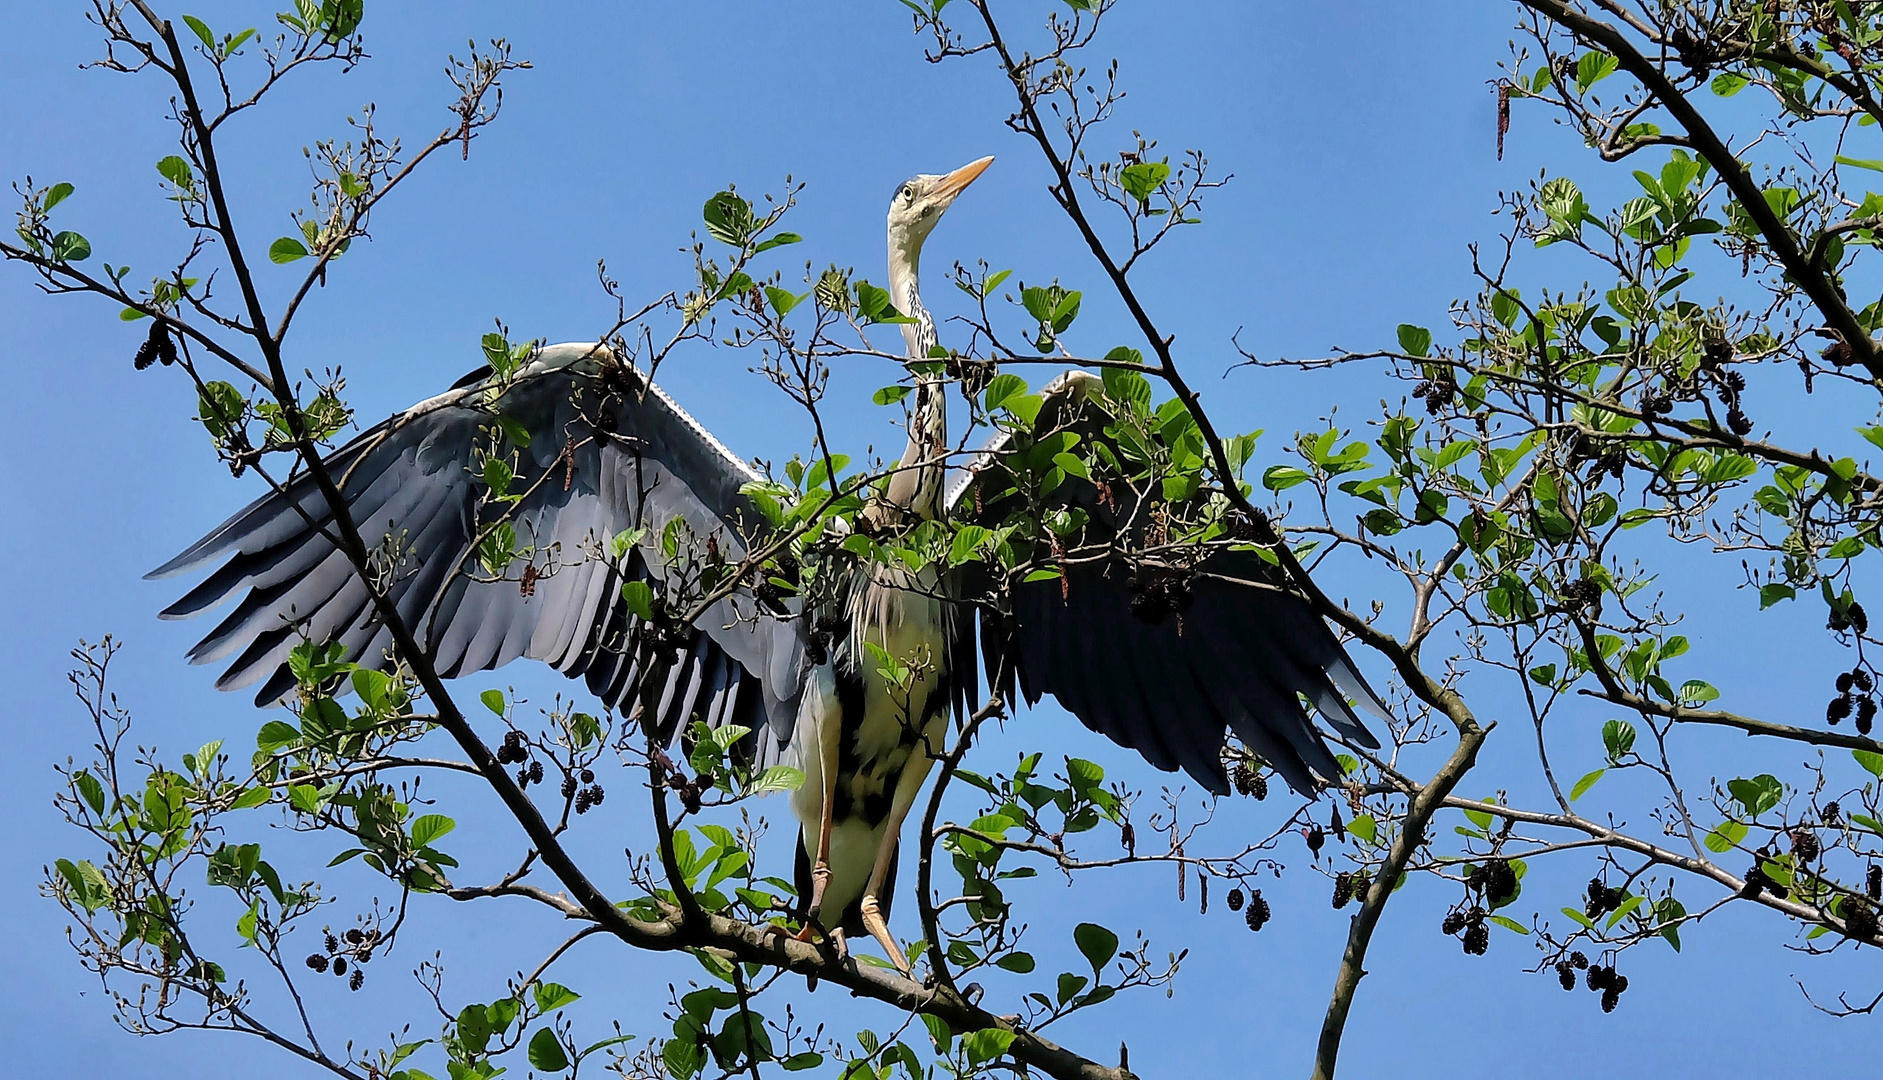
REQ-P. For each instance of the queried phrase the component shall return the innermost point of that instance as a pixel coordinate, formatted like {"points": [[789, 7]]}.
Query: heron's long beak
{"points": [[955, 182]]}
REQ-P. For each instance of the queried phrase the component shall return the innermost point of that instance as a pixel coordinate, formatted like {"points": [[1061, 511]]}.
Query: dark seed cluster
{"points": [[1235, 899], [1581, 593], [1258, 911], [1600, 899], [512, 751], [1873, 882], [1758, 881], [1494, 879], [341, 956], [1854, 686], [1343, 889], [1250, 781], [1566, 969], [159, 347], [1610, 983], [1477, 936], [1804, 844], [1732, 384], [1852, 617], [1436, 393], [1317, 838], [588, 797], [1159, 591], [1860, 919], [1614, 463], [687, 789]]}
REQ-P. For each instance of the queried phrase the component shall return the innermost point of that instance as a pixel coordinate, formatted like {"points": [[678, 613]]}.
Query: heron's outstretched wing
{"points": [[1160, 655], [596, 451]]}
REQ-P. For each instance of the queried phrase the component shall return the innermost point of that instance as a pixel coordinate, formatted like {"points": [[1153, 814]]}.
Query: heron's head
{"points": [[918, 204]]}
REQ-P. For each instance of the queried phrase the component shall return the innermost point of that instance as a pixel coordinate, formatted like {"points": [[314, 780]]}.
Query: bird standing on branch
{"points": [[1159, 649]]}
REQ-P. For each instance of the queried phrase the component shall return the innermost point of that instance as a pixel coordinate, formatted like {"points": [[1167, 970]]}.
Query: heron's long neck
{"points": [[917, 486]]}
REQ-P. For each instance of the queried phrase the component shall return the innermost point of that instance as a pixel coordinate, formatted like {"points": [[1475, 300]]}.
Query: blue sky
{"points": [[1361, 136]]}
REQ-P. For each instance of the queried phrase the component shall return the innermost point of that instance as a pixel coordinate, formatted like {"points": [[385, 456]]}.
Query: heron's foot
{"points": [[839, 945], [879, 929], [820, 877]]}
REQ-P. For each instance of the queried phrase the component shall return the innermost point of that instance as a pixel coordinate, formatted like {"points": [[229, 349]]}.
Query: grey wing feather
{"points": [[607, 452], [1241, 658]]}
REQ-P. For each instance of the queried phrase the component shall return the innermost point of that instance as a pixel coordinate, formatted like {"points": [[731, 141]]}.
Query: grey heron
{"points": [[599, 450]]}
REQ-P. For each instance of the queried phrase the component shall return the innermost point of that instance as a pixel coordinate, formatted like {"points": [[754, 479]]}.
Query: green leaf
{"points": [[71, 247], [1364, 827], [1695, 693], [1861, 163], [782, 300], [498, 475], [986, 1044], [276, 734], [56, 194], [493, 700], [1510, 924], [1670, 911], [90, 790], [514, 430], [639, 596], [201, 30], [778, 240], [1002, 389], [1415, 340], [1282, 477], [253, 797], [729, 219], [808, 1059], [1018, 962], [429, 828], [286, 250], [304, 797], [1583, 785], [1772, 594], [1757, 795], [890, 395], [1627, 908], [1618, 738], [1142, 179], [1726, 83], [177, 171], [778, 778], [1725, 836], [1097, 943], [546, 1051], [1593, 67], [1870, 760]]}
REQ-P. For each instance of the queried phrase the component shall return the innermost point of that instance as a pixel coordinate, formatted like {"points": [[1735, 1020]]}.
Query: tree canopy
{"points": [[1647, 406]]}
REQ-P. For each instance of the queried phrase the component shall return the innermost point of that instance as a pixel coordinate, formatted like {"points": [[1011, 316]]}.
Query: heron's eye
{"points": [[908, 193]]}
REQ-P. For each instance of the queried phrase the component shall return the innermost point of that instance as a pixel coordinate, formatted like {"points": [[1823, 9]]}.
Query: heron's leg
{"points": [[908, 786], [830, 731], [870, 908]]}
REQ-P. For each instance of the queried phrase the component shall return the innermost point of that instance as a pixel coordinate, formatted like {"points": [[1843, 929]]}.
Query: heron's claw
{"points": [[879, 929]]}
